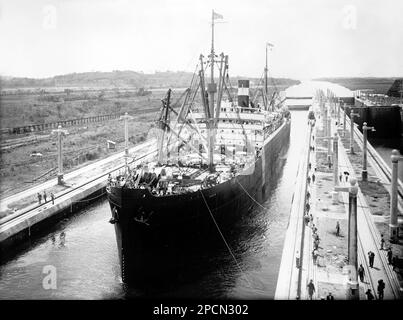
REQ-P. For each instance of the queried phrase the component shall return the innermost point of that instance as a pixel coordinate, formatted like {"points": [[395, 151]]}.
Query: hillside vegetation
{"points": [[117, 79]]}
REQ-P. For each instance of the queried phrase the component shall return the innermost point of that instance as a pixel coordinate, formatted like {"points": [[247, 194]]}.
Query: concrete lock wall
{"points": [[386, 119], [40, 223]]}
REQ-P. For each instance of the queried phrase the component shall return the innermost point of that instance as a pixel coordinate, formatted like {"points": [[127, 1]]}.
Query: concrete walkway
{"points": [[288, 281], [27, 199]]}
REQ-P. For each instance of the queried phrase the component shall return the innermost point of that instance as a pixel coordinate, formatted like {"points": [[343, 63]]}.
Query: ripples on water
{"points": [[87, 265]]}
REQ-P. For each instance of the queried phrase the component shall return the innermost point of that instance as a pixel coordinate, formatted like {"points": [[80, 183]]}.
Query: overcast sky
{"points": [[312, 38]]}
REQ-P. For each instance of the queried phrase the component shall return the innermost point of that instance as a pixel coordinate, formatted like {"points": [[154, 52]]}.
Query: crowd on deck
{"points": [[168, 180]]}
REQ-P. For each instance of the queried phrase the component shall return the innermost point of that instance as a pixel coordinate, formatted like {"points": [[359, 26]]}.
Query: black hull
{"points": [[192, 221]]}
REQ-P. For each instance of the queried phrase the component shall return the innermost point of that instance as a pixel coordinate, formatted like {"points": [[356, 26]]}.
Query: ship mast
{"points": [[211, 90]]}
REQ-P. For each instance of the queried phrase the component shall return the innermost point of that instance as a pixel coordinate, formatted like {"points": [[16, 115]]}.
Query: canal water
{"points": [[82, 254], [384, 147]]}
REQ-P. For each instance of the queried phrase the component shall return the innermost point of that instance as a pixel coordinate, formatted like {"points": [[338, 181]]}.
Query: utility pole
{"points": [[60, 132], [393, 226], [352, 284], [126, 118], [365, 128], [352, 114]]}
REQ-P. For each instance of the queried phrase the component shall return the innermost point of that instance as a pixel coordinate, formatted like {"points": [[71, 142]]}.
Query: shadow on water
{"points": [[218, 262]]}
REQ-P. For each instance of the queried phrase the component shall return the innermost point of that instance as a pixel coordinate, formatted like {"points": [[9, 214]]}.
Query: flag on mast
{"points": [[217, 16]]}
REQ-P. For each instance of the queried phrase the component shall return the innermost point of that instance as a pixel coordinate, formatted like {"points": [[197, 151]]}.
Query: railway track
{"points": [[19, 142]]}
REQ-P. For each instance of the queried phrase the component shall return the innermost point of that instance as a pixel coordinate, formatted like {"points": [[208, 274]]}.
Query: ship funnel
{"points": [[243, 93]]}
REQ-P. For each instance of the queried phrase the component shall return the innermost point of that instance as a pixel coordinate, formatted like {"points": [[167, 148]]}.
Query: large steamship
{"points": [[216, 154]]}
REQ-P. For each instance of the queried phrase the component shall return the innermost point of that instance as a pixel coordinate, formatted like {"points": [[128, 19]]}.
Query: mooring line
{"points": [[250, 195], [222, 236]]}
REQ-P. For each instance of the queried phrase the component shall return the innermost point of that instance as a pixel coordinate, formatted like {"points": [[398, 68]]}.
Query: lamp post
{"points": [[344, 120], [365, 128], [352, 284], [60, 132], [335, 154], [329, 132], [336, 159], [352, 114], [393, 226], [325, 115]]}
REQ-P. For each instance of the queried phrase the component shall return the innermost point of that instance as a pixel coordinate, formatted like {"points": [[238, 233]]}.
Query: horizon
{"points": [[312, 39], [183, 71]]}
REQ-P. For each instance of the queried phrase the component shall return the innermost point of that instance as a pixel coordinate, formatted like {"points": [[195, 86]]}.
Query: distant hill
{"points": [[119, 79], [379, 85]]}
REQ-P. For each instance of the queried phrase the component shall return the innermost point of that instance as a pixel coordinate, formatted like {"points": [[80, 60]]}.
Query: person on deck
{"points": [[371, 257], [390, 255], [369, 294], [361, 273], [382, 242], [330, 296], [381, 288], [311, 289]]}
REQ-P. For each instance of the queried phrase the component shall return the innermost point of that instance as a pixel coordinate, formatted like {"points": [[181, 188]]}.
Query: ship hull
{"points": [[154, 234]]}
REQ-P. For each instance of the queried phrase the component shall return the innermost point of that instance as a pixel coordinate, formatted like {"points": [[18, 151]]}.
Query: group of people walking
{"points": [[392, 260], [44, 197]]}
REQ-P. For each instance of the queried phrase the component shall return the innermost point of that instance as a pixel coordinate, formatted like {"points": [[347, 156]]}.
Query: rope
{"points": [[222, 236], [273, 220], [86, 200], [250, 195]]}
